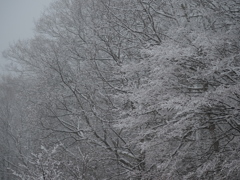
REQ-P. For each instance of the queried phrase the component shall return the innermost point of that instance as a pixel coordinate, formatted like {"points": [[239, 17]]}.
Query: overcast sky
{"points": [[17, 21]]}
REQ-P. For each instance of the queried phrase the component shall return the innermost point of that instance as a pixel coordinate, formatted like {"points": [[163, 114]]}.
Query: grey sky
{"points": [[17, 21]]}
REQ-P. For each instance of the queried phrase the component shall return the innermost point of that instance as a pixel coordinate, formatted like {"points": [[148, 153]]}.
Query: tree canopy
{"points": [[130, 89]]}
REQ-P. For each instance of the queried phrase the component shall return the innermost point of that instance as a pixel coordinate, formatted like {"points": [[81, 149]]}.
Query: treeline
{"points": [[130, 89]]}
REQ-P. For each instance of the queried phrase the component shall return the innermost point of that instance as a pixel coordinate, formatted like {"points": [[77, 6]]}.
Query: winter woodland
{"points": [[124, 90]]}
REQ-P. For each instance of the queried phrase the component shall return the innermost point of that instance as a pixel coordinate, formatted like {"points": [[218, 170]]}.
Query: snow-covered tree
{"points": [[187, 99]]}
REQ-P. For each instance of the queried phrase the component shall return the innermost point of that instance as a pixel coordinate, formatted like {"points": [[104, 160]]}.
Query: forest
{"points": [[124, 90]]}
